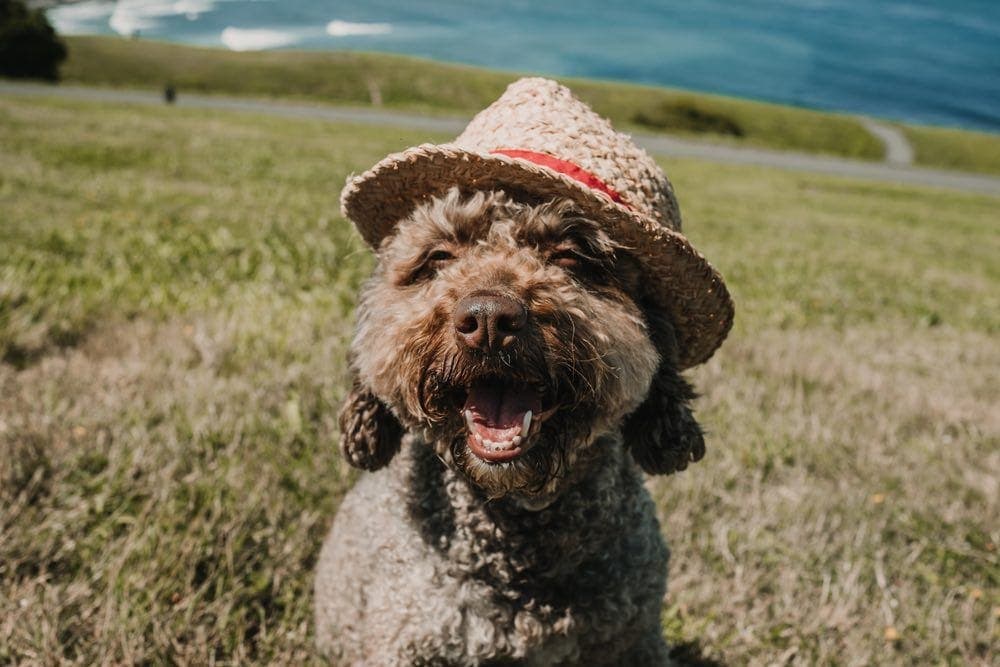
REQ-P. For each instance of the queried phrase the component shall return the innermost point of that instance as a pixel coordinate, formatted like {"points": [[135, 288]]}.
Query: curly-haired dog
{"points": [[513, 362]]}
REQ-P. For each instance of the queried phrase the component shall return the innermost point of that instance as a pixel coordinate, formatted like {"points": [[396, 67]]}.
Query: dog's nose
{"points": [[489, 321]]}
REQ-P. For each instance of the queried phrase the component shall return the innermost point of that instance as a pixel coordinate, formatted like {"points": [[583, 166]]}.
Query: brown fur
{"points": [[605, 367]]}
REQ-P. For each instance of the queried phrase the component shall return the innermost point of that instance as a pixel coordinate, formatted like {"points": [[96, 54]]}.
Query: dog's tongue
{"points": [[498, 410]]}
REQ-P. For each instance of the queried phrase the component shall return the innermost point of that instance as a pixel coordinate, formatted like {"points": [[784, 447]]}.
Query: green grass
{"points": [[955, 149], [409, 83], [176, 292]]}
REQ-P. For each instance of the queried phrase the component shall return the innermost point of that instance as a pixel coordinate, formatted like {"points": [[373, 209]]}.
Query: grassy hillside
{"points": [[176, 291], [411, 83], [955, 149]]}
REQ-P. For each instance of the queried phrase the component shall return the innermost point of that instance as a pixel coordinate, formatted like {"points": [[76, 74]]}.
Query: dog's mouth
{"points": [[502, 419]]}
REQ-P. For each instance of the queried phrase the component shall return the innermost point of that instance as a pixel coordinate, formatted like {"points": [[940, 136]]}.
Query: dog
{"points": [[516, 366]]}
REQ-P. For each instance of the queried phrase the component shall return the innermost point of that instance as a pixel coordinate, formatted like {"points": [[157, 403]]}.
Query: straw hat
{"points": [[539, 138]]}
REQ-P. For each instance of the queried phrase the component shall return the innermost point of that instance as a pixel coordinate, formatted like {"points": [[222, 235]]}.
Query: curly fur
{"points": [[662, 433], [556, 557], [370, 434]]}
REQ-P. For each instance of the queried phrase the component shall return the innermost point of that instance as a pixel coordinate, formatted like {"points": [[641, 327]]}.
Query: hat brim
{"points": [[680, 279]]}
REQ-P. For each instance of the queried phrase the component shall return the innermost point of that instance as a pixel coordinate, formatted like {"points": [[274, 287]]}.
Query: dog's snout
{"points": [[489, 321]]}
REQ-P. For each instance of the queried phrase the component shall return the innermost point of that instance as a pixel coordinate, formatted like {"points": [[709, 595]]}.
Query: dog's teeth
{"points": [[516, 440], [526, 424], [468, 419], [479, 438]]}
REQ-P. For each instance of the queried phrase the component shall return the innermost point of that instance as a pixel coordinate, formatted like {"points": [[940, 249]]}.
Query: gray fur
{"points": [[420, 569]]}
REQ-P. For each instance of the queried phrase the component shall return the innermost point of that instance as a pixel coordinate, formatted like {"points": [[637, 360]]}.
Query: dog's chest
{"points": [[478, 626], [418, 570], [533, 588]]}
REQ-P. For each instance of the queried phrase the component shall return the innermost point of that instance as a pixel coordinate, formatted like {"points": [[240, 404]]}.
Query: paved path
{"points": [[897, 147], [449, 126]]}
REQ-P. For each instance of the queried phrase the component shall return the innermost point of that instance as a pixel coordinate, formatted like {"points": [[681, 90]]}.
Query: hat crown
{"points": [[541, 116]]}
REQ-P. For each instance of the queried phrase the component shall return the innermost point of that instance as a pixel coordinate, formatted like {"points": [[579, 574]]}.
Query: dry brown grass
{"points": [[847, 511], [158, 505]]}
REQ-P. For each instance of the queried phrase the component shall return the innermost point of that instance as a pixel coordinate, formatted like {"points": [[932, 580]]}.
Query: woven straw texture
{"points": [[542, 116]]}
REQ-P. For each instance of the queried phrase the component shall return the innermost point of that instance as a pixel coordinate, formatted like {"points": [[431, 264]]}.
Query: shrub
{"points": [[29, 46], [687, 116]]}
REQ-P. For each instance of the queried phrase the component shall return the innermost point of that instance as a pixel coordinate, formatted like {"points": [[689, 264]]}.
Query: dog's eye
{"points": [[439, 256], [437, 259], [568, 257], [583, 263], [431, 263], [423, 267]]}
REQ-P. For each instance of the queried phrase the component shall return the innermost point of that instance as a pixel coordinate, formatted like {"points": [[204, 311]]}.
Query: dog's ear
{"points": [[370, 435], [662, 433]]}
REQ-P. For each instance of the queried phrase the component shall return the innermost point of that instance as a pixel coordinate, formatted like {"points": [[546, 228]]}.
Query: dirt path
{"points": [[898, 150], [895, 169]]}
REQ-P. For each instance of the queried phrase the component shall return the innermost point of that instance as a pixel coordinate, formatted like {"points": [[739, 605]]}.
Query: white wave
{"points": [[348, 29], [80, 17], [192, 9], [193, 6], [132, 16], [243, 39]]}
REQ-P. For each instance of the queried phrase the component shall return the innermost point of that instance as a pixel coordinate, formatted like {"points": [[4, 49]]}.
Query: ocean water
{"points": [[925, 61]]}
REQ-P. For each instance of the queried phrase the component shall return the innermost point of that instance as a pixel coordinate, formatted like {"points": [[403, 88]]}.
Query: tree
{"points": [[29, 46]]}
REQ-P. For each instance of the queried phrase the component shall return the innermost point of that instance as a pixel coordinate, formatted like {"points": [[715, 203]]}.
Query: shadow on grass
{"points": [[689, 654], [687, 116], [22, 357]]}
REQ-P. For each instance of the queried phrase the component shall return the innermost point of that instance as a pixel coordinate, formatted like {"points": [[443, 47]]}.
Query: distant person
{"points": [[169, 93]]}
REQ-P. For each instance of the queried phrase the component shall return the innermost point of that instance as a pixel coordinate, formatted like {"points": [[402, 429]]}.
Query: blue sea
{"points": [[926, 61]]}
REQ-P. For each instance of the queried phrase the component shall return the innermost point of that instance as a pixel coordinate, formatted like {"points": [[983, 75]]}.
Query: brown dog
{"points": [[512, 365]]}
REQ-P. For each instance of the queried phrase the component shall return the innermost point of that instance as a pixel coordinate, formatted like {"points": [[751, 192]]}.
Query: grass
{"points": [[176, 290], [410, 83], [955, 149]]}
